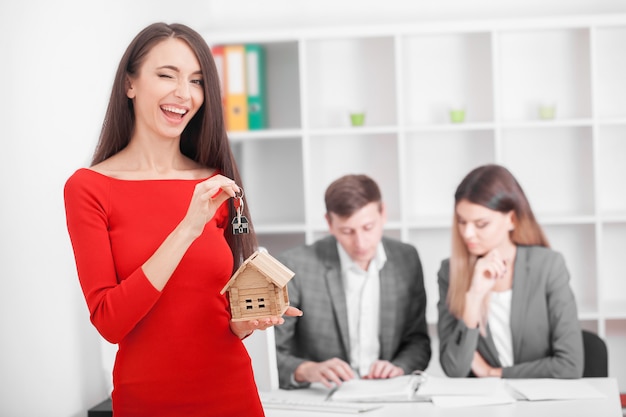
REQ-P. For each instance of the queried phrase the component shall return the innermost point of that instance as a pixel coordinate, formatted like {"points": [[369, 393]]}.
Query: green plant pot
{"points": [[547, 112], [457, 116], [357, 119]]}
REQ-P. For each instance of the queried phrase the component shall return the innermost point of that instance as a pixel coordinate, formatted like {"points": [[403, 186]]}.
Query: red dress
{"points": [[176, 354]]}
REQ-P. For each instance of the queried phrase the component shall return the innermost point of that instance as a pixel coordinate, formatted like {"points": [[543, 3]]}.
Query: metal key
{"points": [[239, 223]]}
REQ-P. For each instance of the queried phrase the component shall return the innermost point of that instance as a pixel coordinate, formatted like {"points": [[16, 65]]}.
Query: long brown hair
{"points": [[204, 139], [494, 187]]}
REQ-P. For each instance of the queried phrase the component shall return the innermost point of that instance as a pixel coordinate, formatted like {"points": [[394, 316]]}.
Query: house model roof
{"points": [[266, 265]]}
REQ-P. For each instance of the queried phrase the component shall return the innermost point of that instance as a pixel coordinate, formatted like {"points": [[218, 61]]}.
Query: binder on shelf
{"points": [[255, 86], [236, 97], [220, 64]]}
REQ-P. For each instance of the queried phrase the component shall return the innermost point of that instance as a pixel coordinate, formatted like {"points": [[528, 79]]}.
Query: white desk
{"points": [[606, 407]]}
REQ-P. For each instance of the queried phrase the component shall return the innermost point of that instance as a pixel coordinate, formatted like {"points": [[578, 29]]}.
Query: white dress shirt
{"points": [[499, 324], [362, 290]]}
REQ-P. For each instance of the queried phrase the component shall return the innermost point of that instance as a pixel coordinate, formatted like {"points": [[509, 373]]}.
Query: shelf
{"points": [[339, 155], [430, 222], [610, 84], [283, 84], [445, 71], [273, 196], [614, 121], [547, 124], [278, 242], [612, 170], [549, 65], [435, 164], [449, 126], [554, 166], [350, 74], [354, 130], [433, 246], [406, 78], [613, 217], [575, 243], [265, 134], [564, 219], [280, 228], [613, 292]]}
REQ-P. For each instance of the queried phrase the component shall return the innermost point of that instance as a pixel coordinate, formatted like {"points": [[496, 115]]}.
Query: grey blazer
{"points": [[547, 338], [322, 332]]}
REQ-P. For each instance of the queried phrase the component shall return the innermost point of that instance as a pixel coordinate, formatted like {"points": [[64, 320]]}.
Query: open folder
{"points": [[402, 388], [442, 391]]}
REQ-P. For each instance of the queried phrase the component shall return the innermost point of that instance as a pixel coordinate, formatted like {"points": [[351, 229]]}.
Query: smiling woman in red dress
{"points": [[149, 224]]}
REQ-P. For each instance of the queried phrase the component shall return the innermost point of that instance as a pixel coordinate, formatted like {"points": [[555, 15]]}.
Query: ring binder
{"points": [[418, 379]]}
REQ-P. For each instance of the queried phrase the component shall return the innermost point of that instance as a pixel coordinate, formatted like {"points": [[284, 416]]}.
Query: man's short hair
{"points": [[350, 193]]}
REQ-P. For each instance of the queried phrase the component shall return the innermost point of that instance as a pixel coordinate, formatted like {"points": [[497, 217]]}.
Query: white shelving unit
{"points": [[406, 78]]}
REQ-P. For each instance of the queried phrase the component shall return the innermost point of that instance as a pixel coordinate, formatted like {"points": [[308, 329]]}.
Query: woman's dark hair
{"points": [[204, 139]]}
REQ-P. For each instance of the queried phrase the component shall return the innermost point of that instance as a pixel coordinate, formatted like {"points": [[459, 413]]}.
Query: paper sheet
{"points": [[437, 386], [393, 389], [554, 389], [442, 391], [465, 392]]}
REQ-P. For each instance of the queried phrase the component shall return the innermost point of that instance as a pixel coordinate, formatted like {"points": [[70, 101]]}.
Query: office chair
{"points": [[596, 355]]}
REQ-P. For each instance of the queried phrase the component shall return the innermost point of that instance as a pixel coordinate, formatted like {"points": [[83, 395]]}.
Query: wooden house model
{"points": [[258, 288]]}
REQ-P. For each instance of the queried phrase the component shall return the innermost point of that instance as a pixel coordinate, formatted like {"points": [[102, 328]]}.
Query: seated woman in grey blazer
{"points": [[506, 308]]}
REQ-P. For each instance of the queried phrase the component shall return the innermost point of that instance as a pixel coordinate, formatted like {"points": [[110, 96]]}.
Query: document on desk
{"points": [[465, 392], [554, 389], [444, 386], [396, 389], [441, 391]]}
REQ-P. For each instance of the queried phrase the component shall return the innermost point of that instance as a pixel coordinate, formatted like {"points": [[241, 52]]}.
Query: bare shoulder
{"points": [[120, 166], [107, 167], [196, 170]]}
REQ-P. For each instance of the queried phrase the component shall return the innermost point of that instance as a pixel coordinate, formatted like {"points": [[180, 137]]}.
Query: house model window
{"points": [[260, 304], [258, 288]]}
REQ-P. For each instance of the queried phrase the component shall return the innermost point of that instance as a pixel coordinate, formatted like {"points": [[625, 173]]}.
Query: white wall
{"points": [[242, 14], [57, 63]]}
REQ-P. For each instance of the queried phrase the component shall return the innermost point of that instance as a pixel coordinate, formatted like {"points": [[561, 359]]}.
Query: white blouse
{"points": [[499, 324]]}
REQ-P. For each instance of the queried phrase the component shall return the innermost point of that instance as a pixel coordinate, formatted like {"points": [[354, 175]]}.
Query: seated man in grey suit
{"points": [[362, 295]]}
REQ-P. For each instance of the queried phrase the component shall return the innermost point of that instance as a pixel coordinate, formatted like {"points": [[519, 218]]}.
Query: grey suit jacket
{"points": [[322, 332], [546, 333]]}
